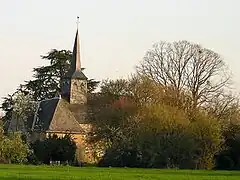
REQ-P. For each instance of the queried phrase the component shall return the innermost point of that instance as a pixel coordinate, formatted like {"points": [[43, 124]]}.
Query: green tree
{"points": [[18, 107], [13, 149], [110, 109], [23, 109], [47, 79], [55, 148], [163, 137], [7, 107], [208, 134], [45, 84]]}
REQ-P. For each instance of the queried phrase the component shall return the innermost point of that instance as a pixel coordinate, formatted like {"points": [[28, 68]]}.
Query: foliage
{"points": [[141, 120], [163, 137], [55, 148], [7, 107], [13, 149], [23, 109], [120, 156], [208, 133], [19, 108], [47, 79], [229, 158], [109, 110]]}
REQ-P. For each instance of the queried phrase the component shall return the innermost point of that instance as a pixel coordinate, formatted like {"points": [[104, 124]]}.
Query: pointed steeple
{"points": [[75, 70], [76, 62]]}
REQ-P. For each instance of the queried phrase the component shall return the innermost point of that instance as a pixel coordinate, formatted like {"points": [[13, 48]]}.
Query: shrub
{"points": [[13, 149], [55, 148]]}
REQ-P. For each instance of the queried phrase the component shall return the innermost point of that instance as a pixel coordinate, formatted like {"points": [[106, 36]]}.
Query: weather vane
{"points": [[77, 21]]}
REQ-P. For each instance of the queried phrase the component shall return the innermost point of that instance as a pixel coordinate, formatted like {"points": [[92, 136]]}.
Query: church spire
{"points": [[76, 62], [75, 70]]}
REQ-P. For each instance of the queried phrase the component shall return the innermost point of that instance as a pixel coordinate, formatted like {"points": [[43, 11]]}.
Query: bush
{"points": [[229, 158], [13, 149], [55, 148], [121, 157]]}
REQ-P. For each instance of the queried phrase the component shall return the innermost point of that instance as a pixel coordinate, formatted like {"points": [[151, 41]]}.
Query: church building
{"points": [[67, 114]]}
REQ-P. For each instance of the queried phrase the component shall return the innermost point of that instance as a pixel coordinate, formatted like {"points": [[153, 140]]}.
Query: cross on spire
{"points": [[78, 21]]}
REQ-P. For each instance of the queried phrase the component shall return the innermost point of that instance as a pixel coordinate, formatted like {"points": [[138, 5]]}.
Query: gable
{"points": [[64, 120]]}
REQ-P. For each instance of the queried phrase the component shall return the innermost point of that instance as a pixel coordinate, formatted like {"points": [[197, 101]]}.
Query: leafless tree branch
{"points": [[186, 67]]}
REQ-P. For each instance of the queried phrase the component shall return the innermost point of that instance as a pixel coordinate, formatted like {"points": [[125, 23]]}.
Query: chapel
{"points": [[67, 114]]}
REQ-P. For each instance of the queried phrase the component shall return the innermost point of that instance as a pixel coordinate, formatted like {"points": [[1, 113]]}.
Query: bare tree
{"points": [[187, 67]]}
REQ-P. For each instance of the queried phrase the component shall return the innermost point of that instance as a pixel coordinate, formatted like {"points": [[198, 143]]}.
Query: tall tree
{"points": [[45, 83], [7, 107], [186, 67]]}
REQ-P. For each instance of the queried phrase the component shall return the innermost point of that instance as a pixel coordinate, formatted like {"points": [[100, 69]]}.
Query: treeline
{"points": [[144, 127], [175, 111]]}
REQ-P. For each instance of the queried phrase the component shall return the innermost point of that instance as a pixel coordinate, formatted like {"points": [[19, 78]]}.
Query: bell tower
{"points": [[74, 84]]}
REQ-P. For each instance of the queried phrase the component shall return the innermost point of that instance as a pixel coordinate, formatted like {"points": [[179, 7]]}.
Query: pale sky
{"points": [[115, 34]]}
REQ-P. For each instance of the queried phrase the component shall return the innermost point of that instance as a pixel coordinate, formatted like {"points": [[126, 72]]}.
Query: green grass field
{"points": [[90, 173]]}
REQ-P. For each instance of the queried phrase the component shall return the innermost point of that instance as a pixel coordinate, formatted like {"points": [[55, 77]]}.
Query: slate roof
{"points": [[44, 114], [75, 67], [76, 75], [58, 115]]}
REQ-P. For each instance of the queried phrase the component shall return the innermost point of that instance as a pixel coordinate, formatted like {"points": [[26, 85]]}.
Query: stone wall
{"points": [[63, 119], [78, 92]]}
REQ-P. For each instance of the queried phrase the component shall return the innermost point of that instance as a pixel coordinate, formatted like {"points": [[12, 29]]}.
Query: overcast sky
{"points": [[115, 34]]}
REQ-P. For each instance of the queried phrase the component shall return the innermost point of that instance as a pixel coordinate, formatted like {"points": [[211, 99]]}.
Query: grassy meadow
{"points": [[22, 172]]}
